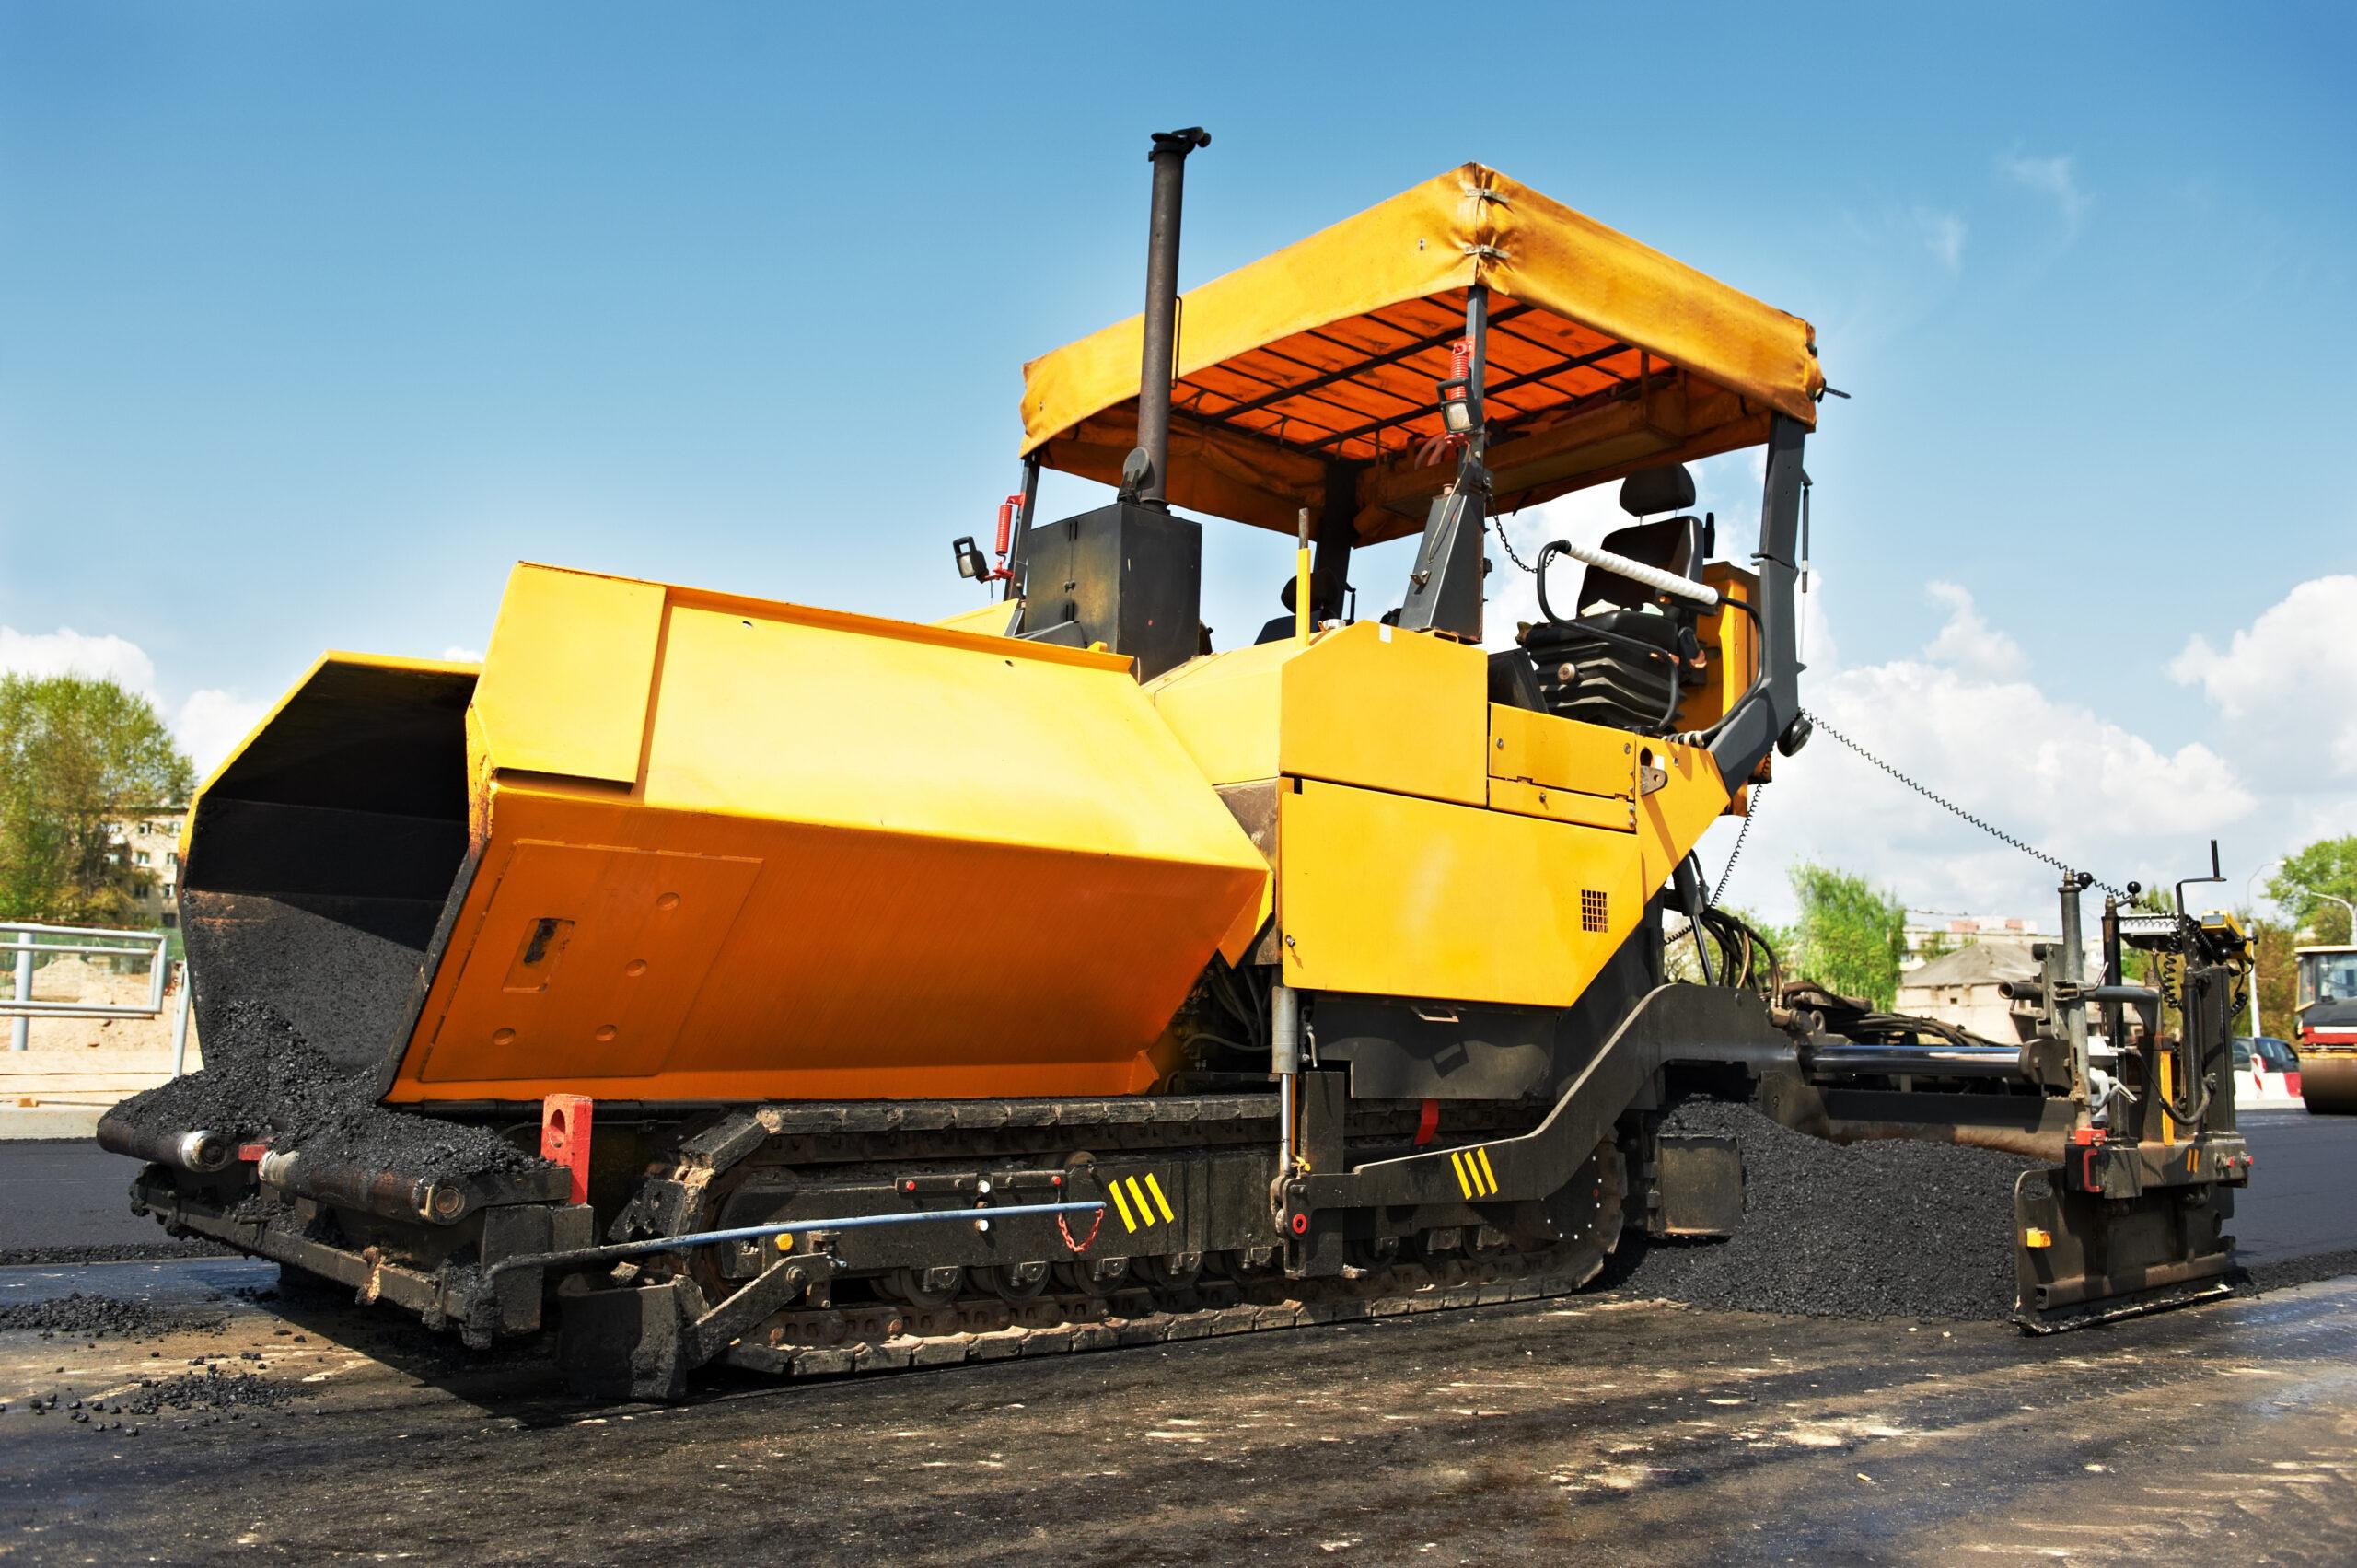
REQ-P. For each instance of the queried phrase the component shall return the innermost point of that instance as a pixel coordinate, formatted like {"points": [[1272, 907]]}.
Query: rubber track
{"points": [[993, 1331]]}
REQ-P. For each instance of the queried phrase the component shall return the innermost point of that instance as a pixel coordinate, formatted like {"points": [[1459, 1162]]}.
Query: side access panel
{"points": [[1389, 895]]}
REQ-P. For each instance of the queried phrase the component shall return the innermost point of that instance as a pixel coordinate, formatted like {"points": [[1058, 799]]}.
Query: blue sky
{"points": [[313, 319]]}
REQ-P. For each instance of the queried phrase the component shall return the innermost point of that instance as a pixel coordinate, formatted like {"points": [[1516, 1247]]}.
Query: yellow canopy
{"points": [[1605, 356]]}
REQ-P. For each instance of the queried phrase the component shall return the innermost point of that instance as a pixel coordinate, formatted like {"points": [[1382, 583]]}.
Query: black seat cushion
{"points": [[1667, 544]]}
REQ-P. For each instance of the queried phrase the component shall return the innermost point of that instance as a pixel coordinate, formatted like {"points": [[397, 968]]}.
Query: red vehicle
{"points": [[2326, 1008]]}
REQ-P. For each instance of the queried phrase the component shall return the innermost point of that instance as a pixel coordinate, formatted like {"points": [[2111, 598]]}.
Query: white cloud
{"points": [[457, 655], [1943, 234], [2054, 177], [1962, 717], [1965, 721], [211, 723], [208, 724], [69, 652], [1584, 517], [1966, 640], [2288, 682]]}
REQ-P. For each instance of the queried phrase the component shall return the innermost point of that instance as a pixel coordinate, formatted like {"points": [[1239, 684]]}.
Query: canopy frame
{"points": [[1320, 361]]}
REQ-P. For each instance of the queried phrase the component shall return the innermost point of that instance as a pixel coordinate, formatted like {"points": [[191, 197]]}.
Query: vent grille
{"points": [[1593, 911]]}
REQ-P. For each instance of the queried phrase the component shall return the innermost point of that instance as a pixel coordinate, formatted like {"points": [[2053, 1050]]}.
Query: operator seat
{"points": [[1623, 657], [1281, 627]]}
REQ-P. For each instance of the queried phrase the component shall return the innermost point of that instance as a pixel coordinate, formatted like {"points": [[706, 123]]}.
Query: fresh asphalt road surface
{"points": [[1588, 1430], [67, 1193], [2302, 1192], [2299, 1202], [299, 1427]]}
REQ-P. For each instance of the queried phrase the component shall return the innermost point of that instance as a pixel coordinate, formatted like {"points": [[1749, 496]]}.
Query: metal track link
{"points": [[858, 1339]]}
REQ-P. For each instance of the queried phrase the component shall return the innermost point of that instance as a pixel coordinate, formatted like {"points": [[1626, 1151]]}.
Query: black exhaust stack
{"points": [[1144, 476], [1129, 575]]}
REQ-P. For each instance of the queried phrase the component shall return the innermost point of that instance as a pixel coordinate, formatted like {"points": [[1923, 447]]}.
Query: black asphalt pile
{"points": [[264, 1080], [96, 1317], [113, 1253], [2305, 1268], [1890, 1228]]}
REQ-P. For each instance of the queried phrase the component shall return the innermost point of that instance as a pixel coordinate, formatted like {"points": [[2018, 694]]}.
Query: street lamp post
{"points": [[2337, 899], [2251, 898]]}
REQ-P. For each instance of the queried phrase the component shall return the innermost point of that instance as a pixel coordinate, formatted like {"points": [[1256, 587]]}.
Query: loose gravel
{"points": [[264, 1080], [1890, 1228], [97, 1316]]}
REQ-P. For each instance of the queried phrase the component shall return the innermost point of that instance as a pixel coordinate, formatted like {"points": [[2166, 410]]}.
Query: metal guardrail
{"points": [[28, 941]]}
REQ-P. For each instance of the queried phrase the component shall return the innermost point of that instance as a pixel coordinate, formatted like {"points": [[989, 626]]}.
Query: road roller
{"points": [[708, 979], [2326, 1006]]}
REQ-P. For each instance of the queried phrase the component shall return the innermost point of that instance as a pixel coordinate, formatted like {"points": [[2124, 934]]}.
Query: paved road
{"points": [[2302, 1192], [1588, 1430], [1591, 1430], [67, 1193]]}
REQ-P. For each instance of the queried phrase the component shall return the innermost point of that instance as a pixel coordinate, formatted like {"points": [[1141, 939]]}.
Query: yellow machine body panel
{"points": [[1428, 842], [1545, 766], [854, 858], [1391, 895], [1731, 645], [675, 845], [996, 618], [1359, 705], [569, 652]]}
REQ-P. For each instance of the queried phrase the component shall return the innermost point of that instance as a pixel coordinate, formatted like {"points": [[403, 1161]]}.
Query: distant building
{"points": [[1960, 988], [148, 839], [1929, 936]]}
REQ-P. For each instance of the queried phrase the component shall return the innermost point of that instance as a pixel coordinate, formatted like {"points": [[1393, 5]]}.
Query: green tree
{"points": [[2274, 977], [1850, 937], [75, 754], [2328, 865]]}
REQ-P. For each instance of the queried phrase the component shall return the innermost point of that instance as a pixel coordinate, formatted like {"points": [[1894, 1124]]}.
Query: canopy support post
{"points": [[1770, 715], [1015, 558], [1338, 531]]}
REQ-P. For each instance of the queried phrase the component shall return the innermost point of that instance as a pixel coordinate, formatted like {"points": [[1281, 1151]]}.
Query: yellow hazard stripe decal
{"points": [[1123, 1204], [1474, 1177], [1137, 1198], [1159, 1200]]}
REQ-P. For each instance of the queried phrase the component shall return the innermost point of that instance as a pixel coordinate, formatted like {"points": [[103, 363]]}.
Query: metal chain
{"points": [[1751, 810], [1499, 525], [1942, 801]]}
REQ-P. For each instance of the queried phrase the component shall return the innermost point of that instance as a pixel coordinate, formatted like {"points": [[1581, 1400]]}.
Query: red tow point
{"points": [[565, 1138], [1301, 1225]]}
